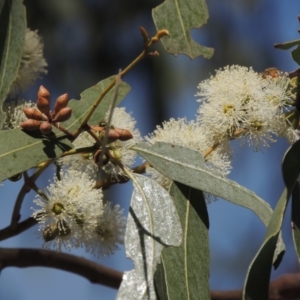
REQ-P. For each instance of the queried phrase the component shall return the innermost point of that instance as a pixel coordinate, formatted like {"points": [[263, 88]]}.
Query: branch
{"points": [[286, 287], [10, 231], [22, 258]]}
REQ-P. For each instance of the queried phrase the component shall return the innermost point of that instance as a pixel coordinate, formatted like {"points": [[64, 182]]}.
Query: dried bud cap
{"points": [[43, 92], [63, 115], [45, 128], [32, 113], [61, 102], [50, 232], [31, 125], [124, 134], [97, 156], [43, 105]]}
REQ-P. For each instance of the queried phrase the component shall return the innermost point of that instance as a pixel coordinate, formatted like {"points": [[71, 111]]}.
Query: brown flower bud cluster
{"points": [[114, 133], [42, 118]]}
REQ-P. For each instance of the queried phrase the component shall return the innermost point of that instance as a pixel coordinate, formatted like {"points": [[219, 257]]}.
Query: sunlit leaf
{"points": [[20, 151], [179, 17], [152, 224], [184, 271], [258, 277], [296, 218], [187, 166], [12, 33]]}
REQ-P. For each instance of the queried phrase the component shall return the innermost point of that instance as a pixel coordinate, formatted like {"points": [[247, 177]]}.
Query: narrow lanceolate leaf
{"points": [[296, 218], [187, 166], [288, 45], [20, 151], [152, 224], [179, 17], [258, 277], [12, 33], [184, 271]]}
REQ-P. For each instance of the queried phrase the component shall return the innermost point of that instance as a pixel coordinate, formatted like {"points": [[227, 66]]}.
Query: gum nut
{"points": [[45, 128], [43, 105], [113, 134], [61, 102], [43, 92], [31, 125], [63, 115], [32, 113], [124, 134]]}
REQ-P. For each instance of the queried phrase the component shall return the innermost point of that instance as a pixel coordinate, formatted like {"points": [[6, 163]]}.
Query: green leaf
{"points": [[12, 33], [179, 17], [184, 271], [187, 166], [258, 277], [88, 97], [152, 224], [296, 55], [287, 45], [20, 150], [296, 218]]}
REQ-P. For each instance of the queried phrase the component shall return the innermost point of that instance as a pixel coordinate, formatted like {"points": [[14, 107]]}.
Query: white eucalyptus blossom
{"points": [[109, 231], [68, 210], [277, 91], [15, 115], [240, 103], [188, 134], [81, 161], [32, 64]]}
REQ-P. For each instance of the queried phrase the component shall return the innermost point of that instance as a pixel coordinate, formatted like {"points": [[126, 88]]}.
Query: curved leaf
{"points": [[296, 219], [152, 224], [20, 150], [179, 17], [187, 166], [184, 271], [12, 33], [258, 277]]}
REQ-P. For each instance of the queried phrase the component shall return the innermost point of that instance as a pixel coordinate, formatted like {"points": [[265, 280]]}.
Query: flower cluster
{"points": [[240, 103], [71, 213], [32, 63]]}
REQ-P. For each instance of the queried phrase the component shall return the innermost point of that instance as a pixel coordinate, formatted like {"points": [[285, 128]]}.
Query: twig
{"points": [[286, 287], [9, 232], [22, 258]]}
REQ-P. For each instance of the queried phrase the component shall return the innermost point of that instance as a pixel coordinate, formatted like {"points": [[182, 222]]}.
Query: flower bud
{"points": [[31, 125], [43, 92], [43, 105], [45, 128], [61, 102], [124, 134], [63, 115], [112, 135], [32, 113]]}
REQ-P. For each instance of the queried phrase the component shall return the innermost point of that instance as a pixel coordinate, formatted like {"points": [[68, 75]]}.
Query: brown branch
{"points": [[22, 258], [9, 231], [286, 287]]}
